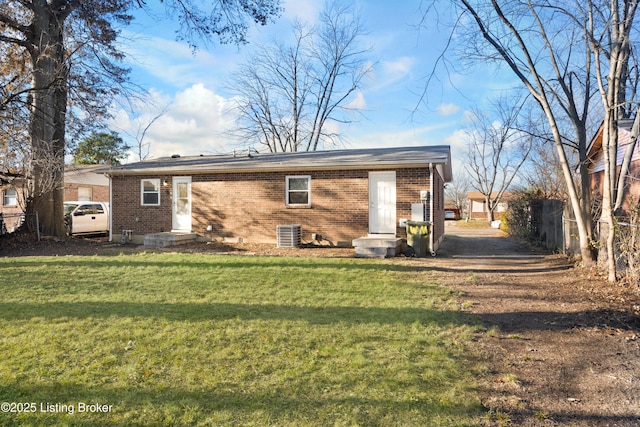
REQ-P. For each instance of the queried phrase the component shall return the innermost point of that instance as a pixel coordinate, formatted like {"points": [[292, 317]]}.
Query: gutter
{"points": [[230, 169]]}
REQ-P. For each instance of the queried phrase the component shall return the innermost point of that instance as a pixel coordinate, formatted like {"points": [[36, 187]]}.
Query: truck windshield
{"points": [[69, 207]]}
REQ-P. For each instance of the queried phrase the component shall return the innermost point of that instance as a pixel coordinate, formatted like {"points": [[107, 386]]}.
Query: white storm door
{"points": [[382, 202], [182, 203]]}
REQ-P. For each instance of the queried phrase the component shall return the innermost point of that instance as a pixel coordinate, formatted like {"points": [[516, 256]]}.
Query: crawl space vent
{"points": [[289, 236]]}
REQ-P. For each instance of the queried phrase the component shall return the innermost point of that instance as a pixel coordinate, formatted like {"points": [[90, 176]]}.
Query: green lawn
{"points": [[185, 339]]}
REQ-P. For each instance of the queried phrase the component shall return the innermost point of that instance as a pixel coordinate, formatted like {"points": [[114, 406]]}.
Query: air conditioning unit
{"points": [[289, 236]]}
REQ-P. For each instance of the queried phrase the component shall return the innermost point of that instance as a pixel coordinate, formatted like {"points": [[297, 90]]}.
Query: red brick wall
{"points": [[11, 212], [251, 205], [632, 185], [128, 213], [100, 192]]}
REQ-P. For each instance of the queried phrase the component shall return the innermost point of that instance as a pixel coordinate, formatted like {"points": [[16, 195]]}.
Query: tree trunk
{"points": [[489, 209], [609, 144], [48, 113], [581, 211]]}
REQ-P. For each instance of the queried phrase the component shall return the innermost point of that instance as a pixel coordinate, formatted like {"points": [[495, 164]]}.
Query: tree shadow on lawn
{"points": [[523, 321], [498, 269], [508, 322], [222, 261], [198, 312], [142, 403]]}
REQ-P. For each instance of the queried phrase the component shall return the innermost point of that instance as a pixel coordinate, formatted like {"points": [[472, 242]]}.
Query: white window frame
{"points": [[308, 191], [156, 181], [87, 196], [14, 197]]}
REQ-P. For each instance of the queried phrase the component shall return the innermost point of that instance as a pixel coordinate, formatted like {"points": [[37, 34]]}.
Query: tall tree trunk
{"points": [[489, 206], [48, 113], [613, 101], [609, 148]]}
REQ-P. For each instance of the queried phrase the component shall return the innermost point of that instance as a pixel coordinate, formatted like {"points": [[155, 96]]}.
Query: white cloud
{"points": [[390, 72], [304, 10], [358, 102], [402, 137], [448, 109], [174, 63], [399, 67], [196, 122], [457, 140]]}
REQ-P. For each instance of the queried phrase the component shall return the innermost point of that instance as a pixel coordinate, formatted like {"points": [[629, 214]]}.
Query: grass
{"points": [[185, 339], [473, 223]]}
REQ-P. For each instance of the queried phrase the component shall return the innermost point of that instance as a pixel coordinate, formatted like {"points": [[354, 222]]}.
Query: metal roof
{"points": [[378, 158], [85, 174]]}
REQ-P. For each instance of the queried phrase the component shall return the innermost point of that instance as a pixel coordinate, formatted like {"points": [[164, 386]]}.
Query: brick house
{"points": [[81, 182], [478, 204], [11, 205], [596, 163], [337, 195]]}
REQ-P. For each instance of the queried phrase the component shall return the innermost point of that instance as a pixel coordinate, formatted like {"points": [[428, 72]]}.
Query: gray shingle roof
{"points": [[379, 158]]}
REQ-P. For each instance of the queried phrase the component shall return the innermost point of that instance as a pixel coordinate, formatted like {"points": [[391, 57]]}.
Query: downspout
{"points": [[110, 208], [431, 246]]}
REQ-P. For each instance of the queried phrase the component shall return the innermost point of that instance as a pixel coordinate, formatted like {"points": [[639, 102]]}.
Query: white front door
{"points": [[382, 202], [182, 203]]}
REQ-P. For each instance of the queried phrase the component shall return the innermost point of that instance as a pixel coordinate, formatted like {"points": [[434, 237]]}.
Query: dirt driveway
{"points": [[562, 347]]}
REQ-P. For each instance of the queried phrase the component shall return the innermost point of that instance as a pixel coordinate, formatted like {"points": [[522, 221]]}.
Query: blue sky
{"points": [[192, 86]]}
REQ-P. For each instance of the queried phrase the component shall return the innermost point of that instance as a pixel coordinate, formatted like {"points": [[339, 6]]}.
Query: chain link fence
{"points": [[12, 223]]}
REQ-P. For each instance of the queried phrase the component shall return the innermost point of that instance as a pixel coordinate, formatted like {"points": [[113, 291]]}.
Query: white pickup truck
{"points": [[86, 217]]}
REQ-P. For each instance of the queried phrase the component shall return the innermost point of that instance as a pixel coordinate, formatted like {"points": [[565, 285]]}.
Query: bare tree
{"points": [[69, 41], [543, 172], [609, 29], [287, 94], [496, 151], [143, 123], [545, 46], [456, 191]]}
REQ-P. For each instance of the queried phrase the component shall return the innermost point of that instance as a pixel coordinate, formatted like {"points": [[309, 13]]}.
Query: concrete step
{"points": [[377, 247], [162, 240]]}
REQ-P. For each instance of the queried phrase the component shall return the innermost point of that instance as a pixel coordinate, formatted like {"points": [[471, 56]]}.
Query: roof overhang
{"points": [[357, 159]]}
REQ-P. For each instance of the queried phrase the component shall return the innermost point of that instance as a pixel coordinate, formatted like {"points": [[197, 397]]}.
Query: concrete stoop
{"points": [[377, 247], [162, 240]]}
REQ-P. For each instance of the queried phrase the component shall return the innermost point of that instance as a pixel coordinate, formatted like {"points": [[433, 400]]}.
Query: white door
{"points": [[382, 202], [182, 203]]}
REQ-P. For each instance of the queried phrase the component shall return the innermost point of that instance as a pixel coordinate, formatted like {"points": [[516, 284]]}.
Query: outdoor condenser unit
{"points": [[289, 236]]}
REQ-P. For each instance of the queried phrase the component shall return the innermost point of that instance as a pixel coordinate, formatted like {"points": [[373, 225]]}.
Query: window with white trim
{"points": [[85, 194], [9, 197], [298, 191], [150, 192]]}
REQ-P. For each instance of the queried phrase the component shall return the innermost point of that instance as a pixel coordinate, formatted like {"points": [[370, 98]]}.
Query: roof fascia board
{"points": [[177, 170]]}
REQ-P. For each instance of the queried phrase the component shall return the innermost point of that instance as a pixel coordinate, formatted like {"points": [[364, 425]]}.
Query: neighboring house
{"points": [[336, 195], [12, 201], [478, 205], [81, 182], [596, 165], [453, 210]]}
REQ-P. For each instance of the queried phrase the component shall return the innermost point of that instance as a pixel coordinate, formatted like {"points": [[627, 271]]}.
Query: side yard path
{"points": [[562, 348]]}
